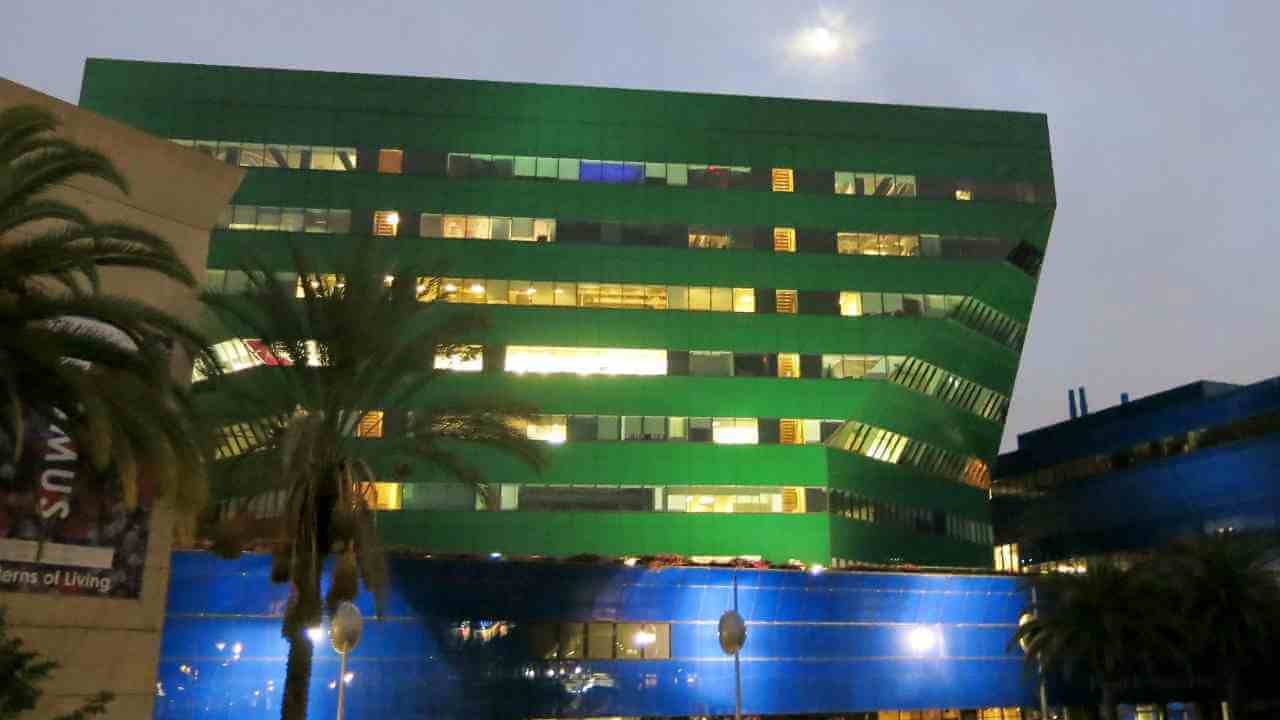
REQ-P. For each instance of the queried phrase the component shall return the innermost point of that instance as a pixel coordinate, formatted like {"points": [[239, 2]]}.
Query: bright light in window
{"points": [[585, 361], [645, 637], [450, 287], [922, 639], [477, 288], [393, 218], [316, 634]]}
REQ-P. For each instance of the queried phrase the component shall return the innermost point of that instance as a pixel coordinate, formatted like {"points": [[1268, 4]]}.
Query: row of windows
{"points": [[950, 388], [895, 448], [1267, 423], [396, 161], [975, 315], [296, 157], [244, 437], [598, 641], [393, 223], [984, 319], [854, 506], [238, 354], [613, 172]]}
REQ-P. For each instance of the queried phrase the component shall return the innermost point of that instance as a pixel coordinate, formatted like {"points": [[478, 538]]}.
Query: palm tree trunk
{"points": [[297, 677], [1108, 710]]}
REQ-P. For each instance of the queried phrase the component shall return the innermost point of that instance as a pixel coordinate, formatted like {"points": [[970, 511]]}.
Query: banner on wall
{"points": [[64, 528]]}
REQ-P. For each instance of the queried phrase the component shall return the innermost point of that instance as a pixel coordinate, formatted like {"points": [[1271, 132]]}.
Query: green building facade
{"points": [[751, 326]]}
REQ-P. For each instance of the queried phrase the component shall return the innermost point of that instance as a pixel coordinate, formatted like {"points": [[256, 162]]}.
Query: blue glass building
{"points": [[1199, 458], [537, 640]]}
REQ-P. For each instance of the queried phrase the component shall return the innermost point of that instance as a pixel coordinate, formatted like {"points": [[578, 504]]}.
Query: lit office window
{"points": [[789, 365], [370, 425], [547, 428], [386, 496], [460, 358], [734, 431], [585, 361], [1006, 558], [791, 432], [851, 304], [386, 223], [964, 194], [783, 180], [785, 302], [784, 239], [390, 162]]}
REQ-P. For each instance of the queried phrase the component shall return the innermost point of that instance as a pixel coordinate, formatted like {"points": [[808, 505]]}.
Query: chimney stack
{"points": [[1124, 398], [1071, 400], [1084, 403]]}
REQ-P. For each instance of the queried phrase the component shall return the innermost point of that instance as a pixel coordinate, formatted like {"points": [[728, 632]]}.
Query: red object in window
{"points": [[264, 353]]}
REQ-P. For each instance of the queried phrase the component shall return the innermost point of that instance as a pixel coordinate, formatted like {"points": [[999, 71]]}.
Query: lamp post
{"points": [[344, 634]]}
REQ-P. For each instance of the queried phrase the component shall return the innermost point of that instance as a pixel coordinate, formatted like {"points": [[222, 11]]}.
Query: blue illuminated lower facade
{"points": [[491, 638]]}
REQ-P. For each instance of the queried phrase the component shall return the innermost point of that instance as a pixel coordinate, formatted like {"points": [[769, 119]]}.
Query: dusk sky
{"points": [[1163, 117]]}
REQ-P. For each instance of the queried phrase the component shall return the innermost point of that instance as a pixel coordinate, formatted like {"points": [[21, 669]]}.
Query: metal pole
{"points": [[1044, 695], [342, 683], [737, 669]]}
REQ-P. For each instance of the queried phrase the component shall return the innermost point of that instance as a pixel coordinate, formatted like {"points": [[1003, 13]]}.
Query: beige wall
{"points": [[114, 644]]}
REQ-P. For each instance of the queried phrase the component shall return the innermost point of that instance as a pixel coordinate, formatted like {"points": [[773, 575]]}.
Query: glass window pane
{"points": [[699, 298], [893, 303], [607, 427], [339, 221], [566, 294], [677, 428], [572, 641], [872, 304], [543, 292], [677, 297], [525, 166], [268, 218], [677, 174], [600, 641], [744, 300], [501, 228], [315, 220], [569, 169], [655, 171], [478, 227], [455, 226], [722, 299], [547, 167], [431, 225], [522, 228], [544, 230], [244, 217], [291, 219]]}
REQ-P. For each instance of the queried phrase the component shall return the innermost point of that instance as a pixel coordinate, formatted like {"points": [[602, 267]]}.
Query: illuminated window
{"points": [[386, 223], [789, 365], [851, 304], [479, 227], [734, 431], [585, 361], [547, 428], [454, 226], [717, 240], [390, 162], [1006, 558], [791, 432], [784, 239], [964, 194], [386, 496], [744, 300], [783, 180], [370, 425], [786, 302], [460, 358]]}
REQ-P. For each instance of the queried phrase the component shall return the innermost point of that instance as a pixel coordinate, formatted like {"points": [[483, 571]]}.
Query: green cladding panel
{"points": [[860, 507]]}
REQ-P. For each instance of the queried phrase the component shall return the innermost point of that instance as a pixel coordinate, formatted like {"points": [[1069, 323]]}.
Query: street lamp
{"points": [[344, 634], [733, 635]]}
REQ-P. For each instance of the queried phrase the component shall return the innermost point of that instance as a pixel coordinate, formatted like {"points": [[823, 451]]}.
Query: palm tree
{"points": [[1225, 584], [95, 365], [354, 345], [1112, 624]]}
